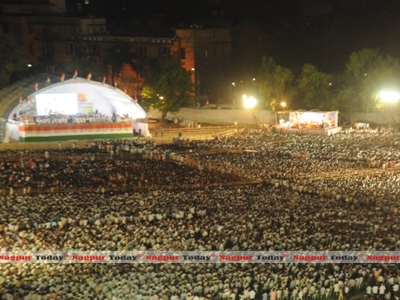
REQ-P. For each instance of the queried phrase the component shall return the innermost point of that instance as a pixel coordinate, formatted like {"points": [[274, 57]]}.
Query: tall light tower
{"points": [[197, 82], [249, 103], [389, 100], [389, 96]]}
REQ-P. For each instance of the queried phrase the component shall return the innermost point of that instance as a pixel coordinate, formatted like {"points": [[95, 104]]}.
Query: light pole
{"points": [[249, 102], [283, 114], [197, 82], [389, 99], [233, 84], [389, 96]]}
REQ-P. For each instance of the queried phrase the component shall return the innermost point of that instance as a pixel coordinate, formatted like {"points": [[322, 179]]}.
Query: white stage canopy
{"points": [[81, 96]]}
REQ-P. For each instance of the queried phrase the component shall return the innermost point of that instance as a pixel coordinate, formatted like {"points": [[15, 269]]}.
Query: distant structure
{"points": [[308, 122], [50, 31]]}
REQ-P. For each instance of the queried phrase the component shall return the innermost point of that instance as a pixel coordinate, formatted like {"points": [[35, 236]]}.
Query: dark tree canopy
{"points": [[12, 63], [367, 73], [274, 83], [356, 89], [314, 88], [84, 64], [168, 87]]}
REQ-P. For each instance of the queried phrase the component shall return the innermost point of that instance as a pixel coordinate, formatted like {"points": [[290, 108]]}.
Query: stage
{"points": [[326, 131], [308, 122], [74, 109], [18, 131]]}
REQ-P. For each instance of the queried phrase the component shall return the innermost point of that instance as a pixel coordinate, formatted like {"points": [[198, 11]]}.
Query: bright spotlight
{"points": [[249, 102], [389, 96]]}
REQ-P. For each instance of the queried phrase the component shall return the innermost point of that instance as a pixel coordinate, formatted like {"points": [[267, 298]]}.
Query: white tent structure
{"points": [[107, 112], [81, 96]]}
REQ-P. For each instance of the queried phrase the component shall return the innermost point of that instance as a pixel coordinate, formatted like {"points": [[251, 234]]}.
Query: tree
{"points": [[12, 64], [367, 73], [116, 56], [341, 99], [131, 85], [168, 87], [275, 82], [84, 63], [314, 88]]}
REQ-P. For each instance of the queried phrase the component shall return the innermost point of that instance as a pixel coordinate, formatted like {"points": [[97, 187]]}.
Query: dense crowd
{"points": [[197, 207], [79, 118], [105, 174], [294, 159]]}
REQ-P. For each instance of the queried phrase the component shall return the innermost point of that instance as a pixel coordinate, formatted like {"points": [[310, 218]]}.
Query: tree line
{"points": [[356, 89], [167, 86]]}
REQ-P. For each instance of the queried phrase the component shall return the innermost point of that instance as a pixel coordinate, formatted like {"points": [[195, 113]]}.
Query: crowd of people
{"points": [[79, 118], [253, 194]]}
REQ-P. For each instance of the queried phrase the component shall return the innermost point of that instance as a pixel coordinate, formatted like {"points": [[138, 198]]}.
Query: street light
{"points": [[249, 102], [197, 81], [283, 104], [389, 96]]}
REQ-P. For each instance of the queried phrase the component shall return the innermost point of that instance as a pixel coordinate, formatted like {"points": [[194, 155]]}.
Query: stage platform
{"points": [[88, 131], [326, 131]]}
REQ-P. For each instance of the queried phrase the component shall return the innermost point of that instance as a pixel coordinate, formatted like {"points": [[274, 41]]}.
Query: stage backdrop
{"points": [[308, 119]]}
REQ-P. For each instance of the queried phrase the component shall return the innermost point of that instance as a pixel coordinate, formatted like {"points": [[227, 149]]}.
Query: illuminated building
{"points": [[49, 34]]}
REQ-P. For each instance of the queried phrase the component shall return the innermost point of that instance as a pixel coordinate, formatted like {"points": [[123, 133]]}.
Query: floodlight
{"points": [[249, 102], [389, 96]]}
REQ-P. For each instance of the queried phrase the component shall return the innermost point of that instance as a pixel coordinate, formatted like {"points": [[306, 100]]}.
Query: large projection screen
{"points": [[55, 104], [62, 104]]}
